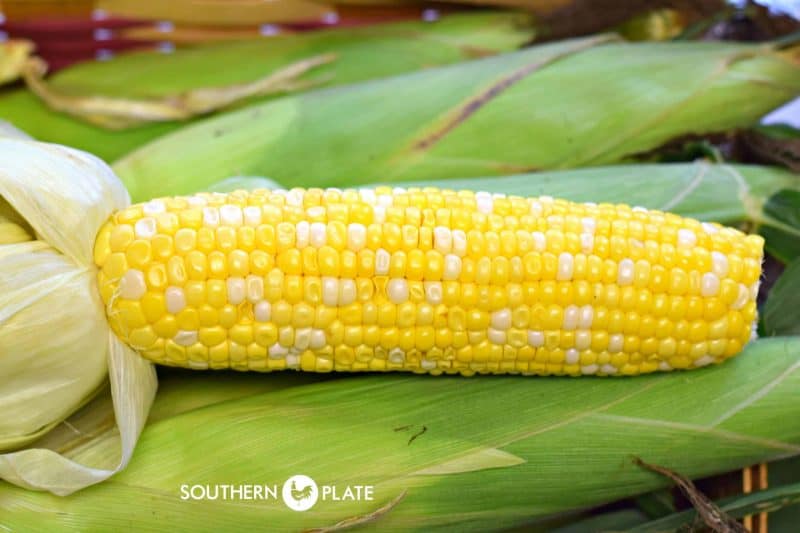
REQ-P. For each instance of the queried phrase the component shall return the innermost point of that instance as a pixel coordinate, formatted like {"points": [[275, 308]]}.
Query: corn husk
{"points": [[709, 192], [498, 452], [124, 113], [56, 346], [574, 103], [362, 54], [13, 55]]}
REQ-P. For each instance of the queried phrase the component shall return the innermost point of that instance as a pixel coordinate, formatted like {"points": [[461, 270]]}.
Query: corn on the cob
{"points": [[425, 280]]}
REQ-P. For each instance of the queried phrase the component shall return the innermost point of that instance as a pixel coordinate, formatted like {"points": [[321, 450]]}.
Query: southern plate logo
{"points": [[300, 493]]}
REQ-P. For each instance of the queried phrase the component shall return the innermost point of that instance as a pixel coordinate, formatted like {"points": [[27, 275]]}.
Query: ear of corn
{"points": [[499, 115], [427, 280], [362, 54]]}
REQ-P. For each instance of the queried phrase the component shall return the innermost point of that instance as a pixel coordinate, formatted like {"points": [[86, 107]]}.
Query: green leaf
{"points": [[244, 182], [780, 311], [342, 432], [782, 224], [567, 104], [363, 54]]}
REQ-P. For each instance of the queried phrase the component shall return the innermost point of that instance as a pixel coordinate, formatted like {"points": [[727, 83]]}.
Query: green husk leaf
{"points": [[782, 224], [698, 422], [764, 501], [244, 182], [362, 54], [568, 104], [780, 311]]}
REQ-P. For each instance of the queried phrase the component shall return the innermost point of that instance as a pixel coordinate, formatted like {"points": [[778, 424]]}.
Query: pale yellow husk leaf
{"points": [[56, 347]]}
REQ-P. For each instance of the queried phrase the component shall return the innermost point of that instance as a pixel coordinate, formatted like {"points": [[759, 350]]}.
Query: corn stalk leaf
{"points": [[362, 54], [568, 104], [698, 422]]}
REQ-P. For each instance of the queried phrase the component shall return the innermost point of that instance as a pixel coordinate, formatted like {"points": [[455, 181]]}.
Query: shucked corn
{"points": [[424, 280]]}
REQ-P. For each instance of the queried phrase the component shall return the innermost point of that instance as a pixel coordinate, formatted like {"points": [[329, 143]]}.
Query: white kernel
{"points": [[754, 290], [703, 361], [587, 315], [710, 229], [501, 319], [293, 360], [572, 316], [382, 262], [131, 285], [236, 290], [197, 365], [396, 191], [536, 208], [484, 204], [608, 369], [546, 199], [252, 215], [539, 241], [185, 337], [316, 212], [367, 195], [276, 351], [397, 290], [442, 240], [196, 201], [176, 300], [588, 370], [583, 339], [145, 228], [496, 336], [397, 355], [295, 197], [639, 209], [211, 217], [587, 243], [231, 215], [302, 338], [536, 338], [615, 343], [254, 288], [347, 291], [664, 366], [302, 234], [572, 356], [686, 237], [709, 284], [427, 364], [262, 311], [379, 214], [459, 242], [385, 200], [719, 264], [356, 237], [589, 225], [317, 236], [433, 292], [625, 276], [565, 266], [742, 298], [317, 340], [154, 207], [452, 267], [330, 291]]}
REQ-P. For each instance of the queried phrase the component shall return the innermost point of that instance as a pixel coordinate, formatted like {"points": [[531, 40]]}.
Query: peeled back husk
{"points": [[574, 103], [56, 348]]}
